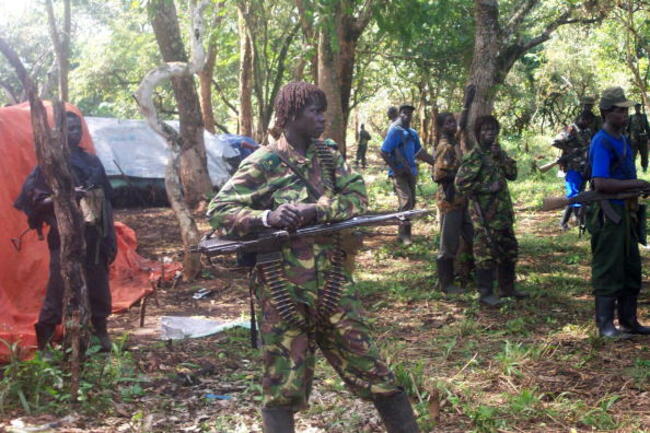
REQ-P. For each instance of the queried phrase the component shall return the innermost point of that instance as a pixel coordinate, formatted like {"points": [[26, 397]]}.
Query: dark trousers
{"points": [[640, 146], [96, 270], [454, 225], [615, 263], [361, 155]]}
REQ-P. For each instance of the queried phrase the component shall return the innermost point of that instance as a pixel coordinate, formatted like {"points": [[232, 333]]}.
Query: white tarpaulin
{"points": [[140, 152], [177, 327]]}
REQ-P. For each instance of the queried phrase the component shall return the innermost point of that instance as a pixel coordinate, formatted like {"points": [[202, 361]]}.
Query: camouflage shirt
{"points": [[263, 182], [448, 158], [638, 125], [478, 171], [574, 143]]}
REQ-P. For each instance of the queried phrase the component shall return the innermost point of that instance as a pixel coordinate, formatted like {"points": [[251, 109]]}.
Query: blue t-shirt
{"points": [[405, 141], [611, 157], [604, 160]]}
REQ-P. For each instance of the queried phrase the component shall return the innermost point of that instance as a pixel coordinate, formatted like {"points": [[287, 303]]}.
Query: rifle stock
{"points": [[552, 203], [546, 167]]}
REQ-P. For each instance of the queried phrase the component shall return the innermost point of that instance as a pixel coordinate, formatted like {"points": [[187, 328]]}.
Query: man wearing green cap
{"points": [[616, 264], [400, 150], [638, 129]]}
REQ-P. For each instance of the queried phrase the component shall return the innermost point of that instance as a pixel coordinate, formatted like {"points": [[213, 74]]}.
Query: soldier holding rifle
{"points": [[574, 143], [616, 264], [305, 290], [482, 176]]}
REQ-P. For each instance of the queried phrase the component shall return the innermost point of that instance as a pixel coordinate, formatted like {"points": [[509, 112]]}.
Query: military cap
{"points": [[588, 100], [614, 97], [405, 107]]}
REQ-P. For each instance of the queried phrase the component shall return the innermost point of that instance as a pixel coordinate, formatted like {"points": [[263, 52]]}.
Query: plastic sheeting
{"points": [[140, 152], [24, 273]]}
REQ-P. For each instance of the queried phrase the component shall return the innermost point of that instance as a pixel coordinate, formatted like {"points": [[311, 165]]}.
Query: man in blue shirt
{"points": [[400, 150], [616, 264]]}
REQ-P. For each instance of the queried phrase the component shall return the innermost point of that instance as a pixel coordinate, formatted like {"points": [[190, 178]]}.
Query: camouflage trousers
{"points": [[493, 246], [289, 352]]}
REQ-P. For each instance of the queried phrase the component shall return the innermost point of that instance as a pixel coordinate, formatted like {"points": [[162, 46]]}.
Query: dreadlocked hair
{"points": [[291, 100]]}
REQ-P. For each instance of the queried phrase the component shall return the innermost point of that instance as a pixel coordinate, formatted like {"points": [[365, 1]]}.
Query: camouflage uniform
{"points": [[638, 129], [263, 182], [491, 212], [455, 223]]}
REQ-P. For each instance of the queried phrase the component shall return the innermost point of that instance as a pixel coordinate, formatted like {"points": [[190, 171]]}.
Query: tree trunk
{"points": [[245, 78], [328, 81], [483, 71], [205, 89], [52, 154], [193, 164]]}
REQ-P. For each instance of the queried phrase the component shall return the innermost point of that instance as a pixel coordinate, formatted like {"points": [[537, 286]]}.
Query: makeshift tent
{"points": [[135, 158], [24, 271]]}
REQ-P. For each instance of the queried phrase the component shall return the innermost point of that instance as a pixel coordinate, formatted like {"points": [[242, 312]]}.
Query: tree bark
{"points": [[328, 81], [144, 97], [193, 164], [205, 89], [245, 77], [53, 154]]}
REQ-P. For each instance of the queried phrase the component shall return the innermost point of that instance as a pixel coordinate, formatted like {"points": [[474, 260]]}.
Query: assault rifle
{"points": [[273, 240], [552, 203]]}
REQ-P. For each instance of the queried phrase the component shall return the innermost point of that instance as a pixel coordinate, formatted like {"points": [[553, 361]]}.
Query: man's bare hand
{"points": [[286, 216], [496, 186], [307, 213]]}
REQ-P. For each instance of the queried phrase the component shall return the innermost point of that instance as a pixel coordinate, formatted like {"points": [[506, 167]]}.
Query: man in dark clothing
{"points": [[638, 130], [594, 123], [615, 263], [400, 150], [94, 191], [362, 147]]}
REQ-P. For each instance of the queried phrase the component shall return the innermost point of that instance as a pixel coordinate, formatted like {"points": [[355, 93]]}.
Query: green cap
{"points": [[614, 97], [588, 100]]}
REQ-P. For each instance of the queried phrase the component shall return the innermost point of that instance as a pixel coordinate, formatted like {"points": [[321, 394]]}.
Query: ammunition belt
{"points": [[330, 295], [327, 162], [271, 267]]}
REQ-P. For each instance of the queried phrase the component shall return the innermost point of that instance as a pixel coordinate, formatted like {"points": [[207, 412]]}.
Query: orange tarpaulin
{"points": [[23, 273]]}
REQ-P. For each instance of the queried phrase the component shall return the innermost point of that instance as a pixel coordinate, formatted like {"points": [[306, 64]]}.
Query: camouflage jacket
{"points": [[448, 158], [263, 182], [638, 125], [477, 172], [574, 143]]}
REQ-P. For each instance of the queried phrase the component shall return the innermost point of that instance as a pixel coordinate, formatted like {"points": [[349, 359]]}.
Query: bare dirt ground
{"points": [[528, 367]]}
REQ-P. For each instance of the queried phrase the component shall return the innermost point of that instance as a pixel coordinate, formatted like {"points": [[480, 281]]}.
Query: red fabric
{"points": [[24, 273]]}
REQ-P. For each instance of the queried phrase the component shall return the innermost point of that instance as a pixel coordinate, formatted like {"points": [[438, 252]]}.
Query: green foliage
{"points": [[41, 385]]}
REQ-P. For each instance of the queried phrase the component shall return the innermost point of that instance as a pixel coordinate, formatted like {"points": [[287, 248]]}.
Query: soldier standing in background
{"points": [[574, 144], [362, 147], [295, 182], [454, 217], [400, 150], [594, 123], [482, 177], [638, 130]]}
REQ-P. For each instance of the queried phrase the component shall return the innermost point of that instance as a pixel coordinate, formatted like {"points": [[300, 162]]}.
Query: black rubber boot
{"points": [[605, 318], [446, 276], [627, 306], [485, 284], [44, 333], [506, 278], [397, 414], [277, 420], [101, 333], [405, 233], [566, 215]]}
